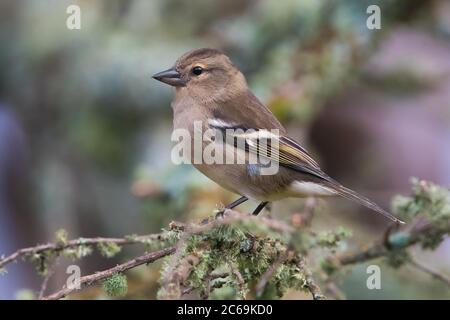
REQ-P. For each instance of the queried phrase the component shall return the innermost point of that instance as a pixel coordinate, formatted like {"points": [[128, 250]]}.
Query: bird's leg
{"points": [[232, 205], [255, 213], [260, 207]]}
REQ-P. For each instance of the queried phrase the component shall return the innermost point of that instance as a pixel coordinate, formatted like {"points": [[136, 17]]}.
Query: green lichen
{"points": [[246, 245], [397, 258], [108, 249], [78, 252], [329, 266], [430, 201], [131, 237], [41, 261], [432, 240], [242, 255], [61, 237], [289, 276], [330, 239], [224, 293], [152, 243], [116, 285]]}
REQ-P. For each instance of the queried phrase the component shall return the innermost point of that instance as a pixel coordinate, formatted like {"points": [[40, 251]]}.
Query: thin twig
{"points": [[76, 243], [332, 291], [313, 288], [208, 279], [415, 233], [188, 230], [169, 275], [231, 216], [179, 273], [443, 278], [50, 272], [265, 278], [98, 276], [235, 271]]}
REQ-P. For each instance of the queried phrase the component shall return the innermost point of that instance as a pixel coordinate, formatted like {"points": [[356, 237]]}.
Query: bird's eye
{"points": [[197, 70]]}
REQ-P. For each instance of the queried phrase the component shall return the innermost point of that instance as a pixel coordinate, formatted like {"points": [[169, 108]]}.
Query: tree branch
{"points": [[412, 234], [183, 262], [96, 277], [57, 247], [443, 278], [313, 288], [187, 230], [265, 278], [47, 277]]}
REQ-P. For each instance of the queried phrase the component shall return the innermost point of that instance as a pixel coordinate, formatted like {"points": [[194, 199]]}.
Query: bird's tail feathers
{"points": [[354, 196]]}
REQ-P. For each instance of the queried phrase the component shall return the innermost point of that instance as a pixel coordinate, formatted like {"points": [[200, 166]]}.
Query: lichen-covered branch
{"points": [[310, 284], [428, 210], [63, 244], [390, 241], [240, 256], [101, 275]]}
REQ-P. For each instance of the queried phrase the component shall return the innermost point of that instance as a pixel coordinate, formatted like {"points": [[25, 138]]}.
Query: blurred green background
{"points": [[85, 131]]}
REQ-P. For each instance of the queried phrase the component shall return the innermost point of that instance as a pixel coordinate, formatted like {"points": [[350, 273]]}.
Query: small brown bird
{"points": [[210, 90]]}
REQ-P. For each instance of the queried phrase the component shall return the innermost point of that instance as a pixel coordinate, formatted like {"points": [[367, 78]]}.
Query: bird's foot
{"points": [[219, 213]]}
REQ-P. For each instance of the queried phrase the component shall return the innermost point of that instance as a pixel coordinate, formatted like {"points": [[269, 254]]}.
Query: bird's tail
{"points": [[353, 196]]}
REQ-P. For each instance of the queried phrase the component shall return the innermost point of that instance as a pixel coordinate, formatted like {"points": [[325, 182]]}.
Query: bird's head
{"points": [[205, 74]]}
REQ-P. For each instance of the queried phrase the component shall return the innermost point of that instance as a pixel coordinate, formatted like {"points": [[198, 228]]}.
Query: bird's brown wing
{"points": [[270, 145], [246, 112], [289, 154], [246, 109]]}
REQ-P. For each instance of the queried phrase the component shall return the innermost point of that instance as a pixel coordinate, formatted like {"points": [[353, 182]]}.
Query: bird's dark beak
{"points": [[171, 77]]}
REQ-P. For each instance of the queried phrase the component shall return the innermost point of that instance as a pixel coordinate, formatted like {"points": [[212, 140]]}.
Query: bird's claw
{"points": [[220, 213]]}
